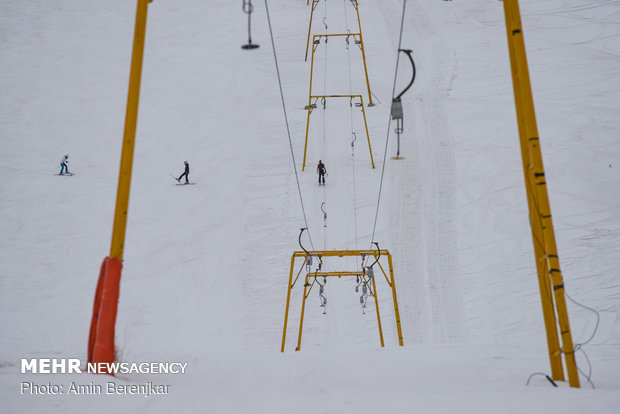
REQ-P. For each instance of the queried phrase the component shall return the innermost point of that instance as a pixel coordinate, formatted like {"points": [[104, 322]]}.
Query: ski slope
{"points": [[205, 269]]}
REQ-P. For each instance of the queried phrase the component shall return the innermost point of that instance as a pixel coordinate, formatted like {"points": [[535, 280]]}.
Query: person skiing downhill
{"points": [[322, 170], [185, 173], [63, 164]]}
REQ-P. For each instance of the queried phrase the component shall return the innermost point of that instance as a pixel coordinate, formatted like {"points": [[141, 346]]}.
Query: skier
{"points": [[322, 170], [63, 164], [186, 173]]}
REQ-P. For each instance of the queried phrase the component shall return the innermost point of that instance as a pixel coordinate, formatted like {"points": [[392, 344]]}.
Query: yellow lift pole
{"points": [[129, 136], [374, 293], [311, 107], [547, 262], [288, 298], [359, 23], [393, 286], [314, 4], [308, 287]]}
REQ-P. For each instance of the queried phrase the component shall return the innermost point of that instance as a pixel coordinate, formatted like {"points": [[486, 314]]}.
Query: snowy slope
{"points": [[205, 269]]}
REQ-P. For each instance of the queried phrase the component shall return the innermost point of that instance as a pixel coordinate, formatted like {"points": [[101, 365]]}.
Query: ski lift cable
{"points": [[324, 189], [288, 131], [325, 116], [387, 138], [346, 19], [324, 159]]}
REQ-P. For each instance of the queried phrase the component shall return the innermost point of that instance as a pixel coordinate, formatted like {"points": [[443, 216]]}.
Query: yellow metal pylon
{"points": [[322, 254], [129, 136], [547, 262]]}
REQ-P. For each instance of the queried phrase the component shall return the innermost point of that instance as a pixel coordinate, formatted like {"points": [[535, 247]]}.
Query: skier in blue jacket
{"points": [[63, 164]]}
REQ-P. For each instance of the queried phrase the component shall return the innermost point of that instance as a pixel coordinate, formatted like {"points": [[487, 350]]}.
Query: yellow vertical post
{"points": [[314, 4], [288, 301], [129, 136], [538, 201], [301, 318], [396, 312], [303, 165], [544, 283], [374, 289], [363, 54], [372, 161]]}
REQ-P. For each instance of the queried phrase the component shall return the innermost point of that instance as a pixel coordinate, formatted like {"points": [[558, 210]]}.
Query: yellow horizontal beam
{"points": [[335, 96], [332, 274], [336, 34], [341, 253]]}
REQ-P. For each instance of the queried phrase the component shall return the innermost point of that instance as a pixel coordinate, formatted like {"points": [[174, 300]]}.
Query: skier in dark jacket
{"points": [[185, 173], [322, 170]]}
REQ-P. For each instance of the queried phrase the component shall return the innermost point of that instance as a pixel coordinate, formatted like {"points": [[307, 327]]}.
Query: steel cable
{"points": [[288, 131], [387, 138]]}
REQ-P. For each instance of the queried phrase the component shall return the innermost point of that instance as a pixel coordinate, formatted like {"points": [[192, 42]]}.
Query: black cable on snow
{"points": [[544, 375], [579, 346]]}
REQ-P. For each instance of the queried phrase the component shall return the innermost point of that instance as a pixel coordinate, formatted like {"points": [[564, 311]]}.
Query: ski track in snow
{"points": [[423, 221]]}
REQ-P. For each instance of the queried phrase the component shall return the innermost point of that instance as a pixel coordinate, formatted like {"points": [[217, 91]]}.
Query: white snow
{"points": [[206, 266]]}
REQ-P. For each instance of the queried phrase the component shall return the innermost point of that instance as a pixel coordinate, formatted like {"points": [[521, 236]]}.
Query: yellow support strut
{"points": [[359, 23], [374, 293], [288, 298], [314, 4], [129, 136], [396, 312], [303, 308], [547, 262]]}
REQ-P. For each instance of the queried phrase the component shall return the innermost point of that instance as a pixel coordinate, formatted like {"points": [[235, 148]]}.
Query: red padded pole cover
{"points": [[101, 338]]}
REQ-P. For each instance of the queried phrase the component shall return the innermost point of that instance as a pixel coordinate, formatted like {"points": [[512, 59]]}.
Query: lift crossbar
{"points": [[342, 253]]}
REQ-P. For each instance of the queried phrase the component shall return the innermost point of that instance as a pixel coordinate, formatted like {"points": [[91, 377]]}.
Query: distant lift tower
{"points": [[312, 104], [357, 39], [547, 263]]}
